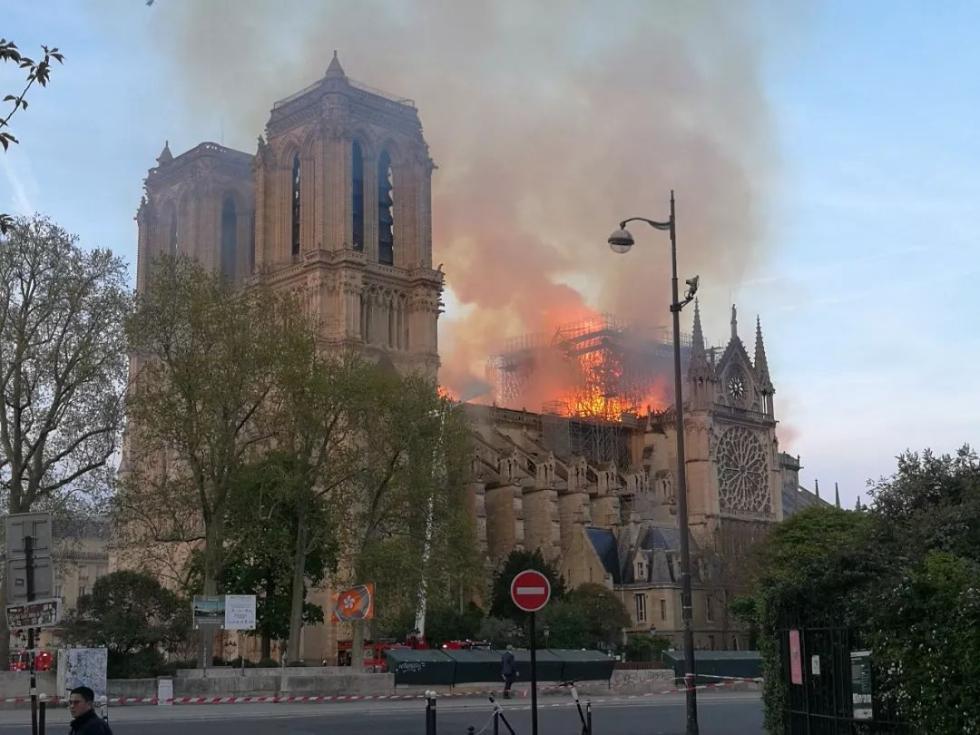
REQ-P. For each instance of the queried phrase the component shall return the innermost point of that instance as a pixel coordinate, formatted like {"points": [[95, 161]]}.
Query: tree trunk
{"points": [[270, 591], [298, 588], [213, 553], [357, 646]]}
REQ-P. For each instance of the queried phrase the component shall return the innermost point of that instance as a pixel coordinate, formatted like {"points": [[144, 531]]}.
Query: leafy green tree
{"points": [[924, 613], [136, 619], [37, 72], [204, 369], [260, 546], [813, 570], [62, 370], [319, 411], [590, 616], [903, 573], [927, 643], [502, 632], [517, 561], [646, 647], [409, 523], [449, 623]]}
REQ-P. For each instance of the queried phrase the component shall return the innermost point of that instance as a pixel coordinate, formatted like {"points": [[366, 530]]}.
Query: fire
{"points": [[600, 368], [601, 393]]}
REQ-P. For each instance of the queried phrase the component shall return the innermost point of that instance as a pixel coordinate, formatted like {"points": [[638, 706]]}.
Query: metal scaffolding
{"points": [[599, 368]]}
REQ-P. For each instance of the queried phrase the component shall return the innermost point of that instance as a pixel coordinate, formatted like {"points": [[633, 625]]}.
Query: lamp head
{"points": [[621, 241]]}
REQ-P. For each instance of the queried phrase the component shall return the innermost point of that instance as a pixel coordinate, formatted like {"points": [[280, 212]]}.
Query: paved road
{"points": [[723, 713]]}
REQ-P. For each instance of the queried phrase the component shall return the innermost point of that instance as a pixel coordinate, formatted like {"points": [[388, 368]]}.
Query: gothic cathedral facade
{"points": [[335, 207]]}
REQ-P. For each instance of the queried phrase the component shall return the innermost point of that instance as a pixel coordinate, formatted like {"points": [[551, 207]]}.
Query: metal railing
{"points": [[497, 722]]}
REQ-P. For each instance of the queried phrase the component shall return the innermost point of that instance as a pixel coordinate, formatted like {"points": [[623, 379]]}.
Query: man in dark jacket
{"points": [[508, 670], [84, 720]]}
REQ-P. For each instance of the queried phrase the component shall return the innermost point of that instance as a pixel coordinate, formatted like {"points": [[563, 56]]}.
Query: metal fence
{"points": [[828, 702]]}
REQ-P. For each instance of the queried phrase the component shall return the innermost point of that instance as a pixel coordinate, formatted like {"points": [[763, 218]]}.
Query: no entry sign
{"points": [[530, 590]]}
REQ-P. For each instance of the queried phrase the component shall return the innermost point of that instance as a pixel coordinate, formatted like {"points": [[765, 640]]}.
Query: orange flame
{"points": [[598, 368]]}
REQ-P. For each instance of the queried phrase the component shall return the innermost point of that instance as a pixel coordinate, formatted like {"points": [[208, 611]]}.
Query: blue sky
{"points": [[869, 205]]}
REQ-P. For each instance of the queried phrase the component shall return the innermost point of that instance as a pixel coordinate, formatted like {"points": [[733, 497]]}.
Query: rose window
{"points": [[742, 473]]}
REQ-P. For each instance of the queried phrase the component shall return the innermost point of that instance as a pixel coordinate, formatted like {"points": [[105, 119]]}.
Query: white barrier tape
{"points": [[756, 679], [305, 699]]}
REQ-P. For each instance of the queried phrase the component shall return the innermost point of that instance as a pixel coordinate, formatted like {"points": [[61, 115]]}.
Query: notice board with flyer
{"points": [[83, 667]]}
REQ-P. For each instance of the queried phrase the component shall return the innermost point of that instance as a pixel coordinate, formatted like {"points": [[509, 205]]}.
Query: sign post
{"points": [[29, 574], [530, 590]]}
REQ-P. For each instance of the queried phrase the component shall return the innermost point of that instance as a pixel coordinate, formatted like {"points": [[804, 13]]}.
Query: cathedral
{"points": [[334, 205]]}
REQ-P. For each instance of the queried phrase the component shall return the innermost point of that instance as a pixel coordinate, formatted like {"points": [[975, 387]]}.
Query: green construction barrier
{"points": [[420, 667], [550, 664], [451, 667], [586, 665], [717, 664], [475, 666]]}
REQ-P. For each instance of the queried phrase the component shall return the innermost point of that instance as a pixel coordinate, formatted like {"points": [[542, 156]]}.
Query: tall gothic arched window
{"points": [[295, 204], [251, 242], [172, 234], [386, 219], [229, 238], [357, 188]]}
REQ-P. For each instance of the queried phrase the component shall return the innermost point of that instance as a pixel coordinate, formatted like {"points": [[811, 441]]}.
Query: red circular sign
{"points": [[530, 590]]}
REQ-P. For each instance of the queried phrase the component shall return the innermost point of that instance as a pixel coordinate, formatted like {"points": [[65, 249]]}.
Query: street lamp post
{"points": [[621, 241]]}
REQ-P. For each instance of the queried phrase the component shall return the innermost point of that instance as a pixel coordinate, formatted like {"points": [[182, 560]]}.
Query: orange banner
{"points": [[356, 603]]}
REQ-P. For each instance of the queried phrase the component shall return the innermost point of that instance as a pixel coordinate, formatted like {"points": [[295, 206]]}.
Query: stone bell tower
{"points": [[343, 218]]}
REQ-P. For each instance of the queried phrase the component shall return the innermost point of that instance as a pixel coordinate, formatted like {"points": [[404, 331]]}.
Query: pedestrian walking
{"points": [[84, 719], [508, 670]]}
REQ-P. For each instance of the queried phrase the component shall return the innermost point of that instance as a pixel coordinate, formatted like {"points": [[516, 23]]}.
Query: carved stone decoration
{"points": [[742, 473]]}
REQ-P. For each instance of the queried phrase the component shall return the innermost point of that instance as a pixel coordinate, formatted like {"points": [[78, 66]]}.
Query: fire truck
{"points": [[374, 654], [21, 661]]}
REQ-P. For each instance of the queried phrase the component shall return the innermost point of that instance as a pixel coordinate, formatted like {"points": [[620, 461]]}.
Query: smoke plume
{"points": [[549, 121]]}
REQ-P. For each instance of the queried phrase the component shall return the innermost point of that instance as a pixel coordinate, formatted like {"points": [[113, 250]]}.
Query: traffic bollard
{"points": [[430, 713], [41, 707], [496, 723], [588, 717]]}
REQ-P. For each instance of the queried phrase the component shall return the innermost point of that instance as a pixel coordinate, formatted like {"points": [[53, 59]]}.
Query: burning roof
{"points": [[600, 368]]}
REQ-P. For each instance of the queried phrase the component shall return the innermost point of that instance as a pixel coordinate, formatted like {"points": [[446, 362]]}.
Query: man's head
{"points": [[80, 701]]}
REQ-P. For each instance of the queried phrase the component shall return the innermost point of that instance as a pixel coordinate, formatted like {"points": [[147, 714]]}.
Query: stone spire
{"points": [[816, 488], [165, 156], [697, 340], [335, 70], [761, 363], [734, 323], [698, 367], [836, 495]]}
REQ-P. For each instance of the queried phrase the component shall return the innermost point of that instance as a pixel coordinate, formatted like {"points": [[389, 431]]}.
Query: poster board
{"points": [[83, 667], [35, 614], [239, 612], [208, 611], [861, 691]]}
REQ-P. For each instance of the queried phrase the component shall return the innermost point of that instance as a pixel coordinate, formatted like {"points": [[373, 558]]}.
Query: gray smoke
{"points": [[550, 122]]}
